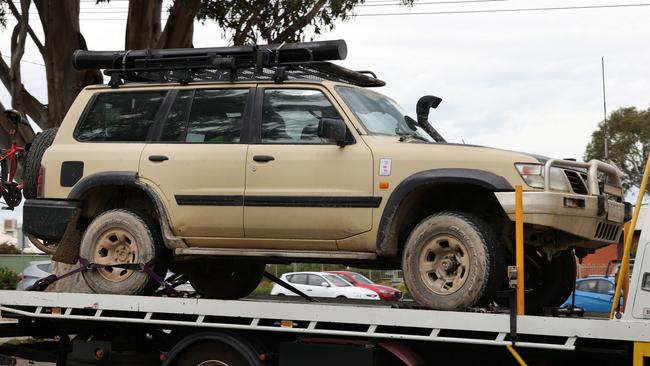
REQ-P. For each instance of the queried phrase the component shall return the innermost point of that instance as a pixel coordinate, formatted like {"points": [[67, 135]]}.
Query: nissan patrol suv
{"points": [[214, 162]]}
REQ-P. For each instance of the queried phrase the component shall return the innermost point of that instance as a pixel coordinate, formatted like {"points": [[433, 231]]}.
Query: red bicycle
{"points": [[11, 159]]}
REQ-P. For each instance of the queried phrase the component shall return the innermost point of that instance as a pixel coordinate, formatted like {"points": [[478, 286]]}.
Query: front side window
{"points": [[379, 114], [291, 116], [209, 116], [120, 116], [588, 286], [604, 287], [316, 280]]}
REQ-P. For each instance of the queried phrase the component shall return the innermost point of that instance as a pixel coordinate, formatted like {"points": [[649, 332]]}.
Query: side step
{"points": [[272, 253]]}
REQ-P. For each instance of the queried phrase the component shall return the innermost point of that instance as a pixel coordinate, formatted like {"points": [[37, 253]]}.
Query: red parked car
{"points": [[385, 292]]}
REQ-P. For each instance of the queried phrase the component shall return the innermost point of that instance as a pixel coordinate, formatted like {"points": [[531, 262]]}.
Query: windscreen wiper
{"points": [[403, 136]]}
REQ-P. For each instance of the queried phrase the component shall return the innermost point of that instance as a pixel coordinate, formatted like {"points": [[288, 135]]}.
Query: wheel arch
{"points": [[107, 190], [240, 344], [445, 189]]}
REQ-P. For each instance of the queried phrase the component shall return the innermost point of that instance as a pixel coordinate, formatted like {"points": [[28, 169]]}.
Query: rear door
{"points": [[198, 162]]}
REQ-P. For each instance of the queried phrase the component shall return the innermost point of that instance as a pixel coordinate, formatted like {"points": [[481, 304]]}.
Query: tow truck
{"points": [[93, 329]]}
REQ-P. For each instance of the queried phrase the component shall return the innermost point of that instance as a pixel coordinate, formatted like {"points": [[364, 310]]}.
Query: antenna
{"points": [[605, 137]]}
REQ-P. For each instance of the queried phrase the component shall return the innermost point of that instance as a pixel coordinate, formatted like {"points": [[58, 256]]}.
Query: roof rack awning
{"points": [[139, 65]]}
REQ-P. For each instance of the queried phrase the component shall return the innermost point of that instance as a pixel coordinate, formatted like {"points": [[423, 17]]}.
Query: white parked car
{"points": [[34, 272], [320, 284]]}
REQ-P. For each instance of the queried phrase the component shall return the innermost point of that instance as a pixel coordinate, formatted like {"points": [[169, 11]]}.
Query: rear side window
{"points": [[211, 116], [300, 279], [120, 116]]}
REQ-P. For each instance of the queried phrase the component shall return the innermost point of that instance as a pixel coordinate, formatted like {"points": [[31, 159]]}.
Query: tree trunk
{"points": [[60, 20], [143, 24], [179, 28]]}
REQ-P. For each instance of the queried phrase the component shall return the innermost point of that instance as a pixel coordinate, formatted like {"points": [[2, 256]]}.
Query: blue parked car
{"points": [[594, 294]]}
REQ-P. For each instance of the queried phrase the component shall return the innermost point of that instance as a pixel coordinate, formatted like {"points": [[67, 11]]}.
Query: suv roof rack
{"points": [[277, 62]]}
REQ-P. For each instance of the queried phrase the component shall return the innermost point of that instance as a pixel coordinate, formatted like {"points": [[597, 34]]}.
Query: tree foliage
{"points": [[628, 131], [8, 279], [275, 21], [8, 249]]}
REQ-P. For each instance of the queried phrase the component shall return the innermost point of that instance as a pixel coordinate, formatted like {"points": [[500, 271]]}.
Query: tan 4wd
{"points": [[213, 162]]}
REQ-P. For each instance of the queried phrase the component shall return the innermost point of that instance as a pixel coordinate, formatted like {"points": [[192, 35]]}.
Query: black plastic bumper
{"points": [[48, 219]]}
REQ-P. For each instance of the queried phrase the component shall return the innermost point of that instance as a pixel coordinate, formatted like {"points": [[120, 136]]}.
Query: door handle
{"points": [[157, 158], [263, 158]]}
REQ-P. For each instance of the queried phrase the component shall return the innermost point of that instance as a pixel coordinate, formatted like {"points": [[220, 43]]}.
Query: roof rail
{"points": [[278, 62]]}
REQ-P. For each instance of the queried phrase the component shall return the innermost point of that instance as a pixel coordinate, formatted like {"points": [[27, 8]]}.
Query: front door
{"points": [[199, 162], [298, 185]]}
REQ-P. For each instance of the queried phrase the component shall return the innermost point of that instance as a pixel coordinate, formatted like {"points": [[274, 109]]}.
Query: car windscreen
{"points": [[378, 113], [337, 281], [361, 278]]}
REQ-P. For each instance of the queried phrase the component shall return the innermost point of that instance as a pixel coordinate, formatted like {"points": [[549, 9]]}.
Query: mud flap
{"points": [[68, 249]]}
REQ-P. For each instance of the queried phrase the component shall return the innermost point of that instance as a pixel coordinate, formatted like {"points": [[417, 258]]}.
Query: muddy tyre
{"points": [[33, 161], [218, 280], [548, 284], [120, 237], [453, 261]]}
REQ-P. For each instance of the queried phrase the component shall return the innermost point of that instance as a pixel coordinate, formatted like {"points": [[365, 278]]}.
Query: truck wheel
{"points": [[549, 284], [452, 261], [218, 280], [40, 143], [120, 237], [211, 354]]}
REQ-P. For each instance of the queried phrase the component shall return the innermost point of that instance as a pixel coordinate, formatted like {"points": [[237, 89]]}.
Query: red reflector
{"points": [[41, 182]]}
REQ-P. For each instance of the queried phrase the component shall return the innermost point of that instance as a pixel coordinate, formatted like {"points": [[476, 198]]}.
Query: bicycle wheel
{"points": [[4, 170]]}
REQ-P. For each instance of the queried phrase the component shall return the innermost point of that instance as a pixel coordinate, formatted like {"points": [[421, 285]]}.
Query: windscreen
{"points": [[379, 114], [338, 281], [361, 278]]}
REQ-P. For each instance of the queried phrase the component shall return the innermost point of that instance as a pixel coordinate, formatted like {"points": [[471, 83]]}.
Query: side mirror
{"points": [[325, 284], [333, 129]]}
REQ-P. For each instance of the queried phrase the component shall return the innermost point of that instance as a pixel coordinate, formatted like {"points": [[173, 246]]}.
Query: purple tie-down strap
{"points": [[44, 283], [168, 288]]}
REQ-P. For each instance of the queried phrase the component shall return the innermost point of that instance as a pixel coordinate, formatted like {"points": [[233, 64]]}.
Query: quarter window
{"points": [[120, 116], [291, 116]]}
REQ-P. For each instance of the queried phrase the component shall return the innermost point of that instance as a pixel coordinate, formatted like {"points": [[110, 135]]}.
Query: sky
{"points": [[522, 80]]}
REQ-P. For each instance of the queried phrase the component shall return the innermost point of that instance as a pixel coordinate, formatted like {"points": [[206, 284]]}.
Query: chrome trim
{"points": [[614, 175]]}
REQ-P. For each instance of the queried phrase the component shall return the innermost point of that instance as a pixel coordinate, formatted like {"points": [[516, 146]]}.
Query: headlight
{"points": [[533, 175]]}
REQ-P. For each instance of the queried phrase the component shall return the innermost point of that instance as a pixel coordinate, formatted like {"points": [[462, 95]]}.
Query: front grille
{"points": [[577, 181], [606, 231]]}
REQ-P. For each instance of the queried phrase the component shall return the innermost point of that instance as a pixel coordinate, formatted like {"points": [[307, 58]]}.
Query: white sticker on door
{"points": [[384, 167]]}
